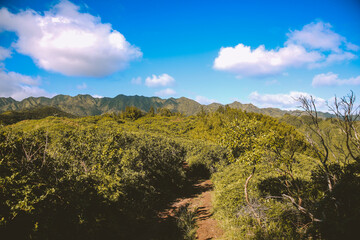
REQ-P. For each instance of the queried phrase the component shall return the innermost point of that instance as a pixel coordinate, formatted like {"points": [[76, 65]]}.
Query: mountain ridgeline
{"points": [[86, 105]]}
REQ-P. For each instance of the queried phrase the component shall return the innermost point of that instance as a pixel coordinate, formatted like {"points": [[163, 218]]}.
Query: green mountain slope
{"points": [[85, 105], [39, 112]]}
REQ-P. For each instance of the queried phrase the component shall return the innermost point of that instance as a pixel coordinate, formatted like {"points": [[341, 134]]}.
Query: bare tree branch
{"points": [[247, 197]]}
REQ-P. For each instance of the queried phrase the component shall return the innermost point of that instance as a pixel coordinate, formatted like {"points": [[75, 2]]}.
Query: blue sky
{"points": [[264, 52]]}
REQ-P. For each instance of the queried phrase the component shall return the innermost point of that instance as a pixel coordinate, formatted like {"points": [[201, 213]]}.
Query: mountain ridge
{"points": [[86, 105]]}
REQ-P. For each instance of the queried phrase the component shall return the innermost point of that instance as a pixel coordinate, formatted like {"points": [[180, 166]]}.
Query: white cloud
{"points": [[20, 86], [317, 35], [67, 41], [284, 101], [4, 53], [352, 47], [159, 81], [316, 45], [165, 92], [82, 86], [97, 96], [332, 79], [136, 81], [204, 100], [333, 58], [244, 61], [338, 57]]}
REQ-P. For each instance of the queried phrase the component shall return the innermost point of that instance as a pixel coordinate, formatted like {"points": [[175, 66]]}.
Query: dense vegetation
{"points": [[39, 112], [108, 176]]}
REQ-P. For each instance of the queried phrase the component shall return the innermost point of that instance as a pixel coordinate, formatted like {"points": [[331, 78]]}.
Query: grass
{"points": [[186, 221]]}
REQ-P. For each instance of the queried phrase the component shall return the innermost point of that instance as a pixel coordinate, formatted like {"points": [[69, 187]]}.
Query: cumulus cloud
{"points": [[244, 61], [136, 81], [66, 41], [165, 92], [316, 45], [159, 81], [97, 96], [20, 86], [332, 79], [284, 101], [204, 100]]}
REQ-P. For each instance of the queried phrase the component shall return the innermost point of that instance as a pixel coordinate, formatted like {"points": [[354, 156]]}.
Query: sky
{"points": [[267, 53]]}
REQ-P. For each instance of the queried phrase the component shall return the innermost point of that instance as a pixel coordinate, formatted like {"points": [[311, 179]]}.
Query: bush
{"points": [[86, 183]]}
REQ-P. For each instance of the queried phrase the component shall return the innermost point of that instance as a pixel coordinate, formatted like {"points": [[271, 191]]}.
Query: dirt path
{"points": [[208, 227], [200, 200]]}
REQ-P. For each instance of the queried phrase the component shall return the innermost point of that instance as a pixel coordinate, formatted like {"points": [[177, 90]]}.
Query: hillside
{"points": [[86, 105], [38, 112], [176, 177]]}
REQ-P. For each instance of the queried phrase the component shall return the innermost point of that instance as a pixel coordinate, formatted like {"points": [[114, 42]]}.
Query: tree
{"points": [[151, 112], [337, 176], [132, 113], [321, 200], [253, 141], [347, 115], [164, 112]]}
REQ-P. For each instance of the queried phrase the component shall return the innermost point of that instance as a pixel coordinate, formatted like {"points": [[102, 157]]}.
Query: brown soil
{"points": [[208, 227], [200, 200]]}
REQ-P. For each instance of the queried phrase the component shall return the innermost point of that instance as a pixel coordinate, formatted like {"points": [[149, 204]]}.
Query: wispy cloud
{"points": [[165, 92], [4, 53], [204, 100], [20, 86], [82, 86], [332, 79], [317, 35], [136, 81], [284, 101]]}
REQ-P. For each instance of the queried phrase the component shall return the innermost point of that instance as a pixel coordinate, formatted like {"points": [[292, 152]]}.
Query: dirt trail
{"points": [[208, 226], [200, 200]]}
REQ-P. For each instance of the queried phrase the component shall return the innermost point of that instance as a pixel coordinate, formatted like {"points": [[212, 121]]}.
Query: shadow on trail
{"points": [[165, 225], [203, 214]]}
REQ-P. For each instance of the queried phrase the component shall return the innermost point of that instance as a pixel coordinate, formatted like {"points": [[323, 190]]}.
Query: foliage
{"points": [[107, 177], [280, 185], [11, 117], [90, 183], [259, 148], [204, 158], [165, 112], [236, 216], [131, 113], [186, 220]]}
